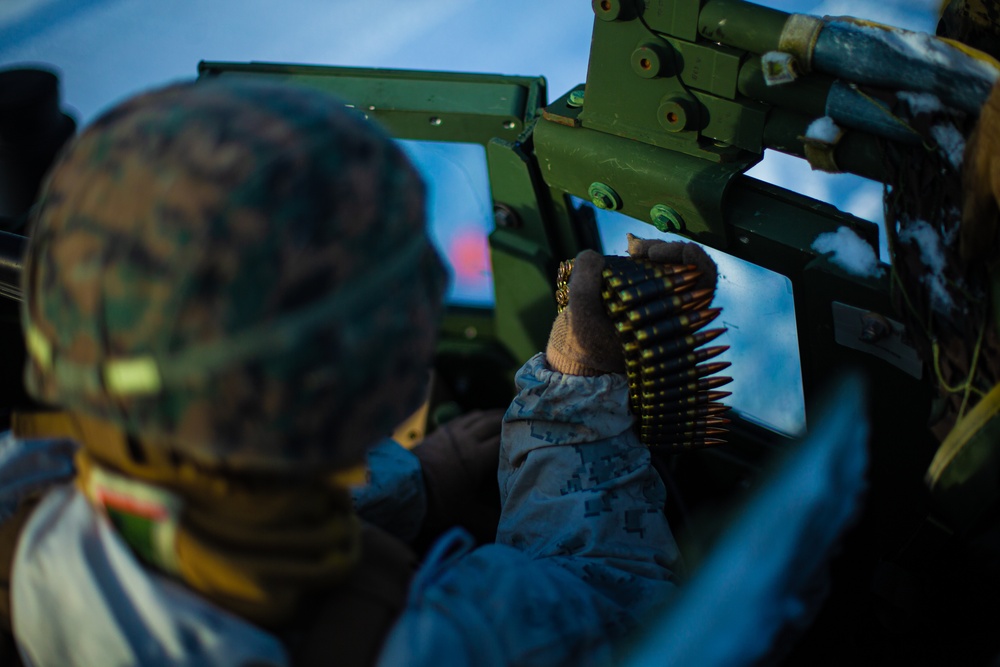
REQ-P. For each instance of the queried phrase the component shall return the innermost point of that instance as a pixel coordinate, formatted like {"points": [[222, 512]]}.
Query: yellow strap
{"points": [[50, 424], [820, 154], [965, 429], [798, 37]]}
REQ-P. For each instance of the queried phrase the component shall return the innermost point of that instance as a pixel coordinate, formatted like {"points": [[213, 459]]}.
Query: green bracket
{"points": [[650, 84], [429, 106], [574, 159], [678, 18], [521, 253]]}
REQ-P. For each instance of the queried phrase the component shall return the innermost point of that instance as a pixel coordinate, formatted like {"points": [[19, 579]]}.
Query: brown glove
{"points": [[459, 463], [583, 339], [981, 185], [676, 252]]}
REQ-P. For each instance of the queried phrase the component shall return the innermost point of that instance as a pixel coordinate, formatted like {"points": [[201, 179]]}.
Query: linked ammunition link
{"points": [[660, 318]]}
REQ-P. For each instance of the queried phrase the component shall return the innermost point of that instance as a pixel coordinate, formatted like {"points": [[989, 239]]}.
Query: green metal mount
{"points": [[523, 257], [656, 85]]}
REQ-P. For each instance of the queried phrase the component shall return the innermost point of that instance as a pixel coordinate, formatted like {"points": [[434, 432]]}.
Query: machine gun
{"points": [[682, 97]]}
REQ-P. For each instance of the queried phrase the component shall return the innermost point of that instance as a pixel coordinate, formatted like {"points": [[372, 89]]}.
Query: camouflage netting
{"points": [[238, 272], [972, 22], [944, 302]]}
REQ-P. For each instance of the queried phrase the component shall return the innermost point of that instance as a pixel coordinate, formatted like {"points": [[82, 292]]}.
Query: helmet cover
{"points": [[237, 271]]}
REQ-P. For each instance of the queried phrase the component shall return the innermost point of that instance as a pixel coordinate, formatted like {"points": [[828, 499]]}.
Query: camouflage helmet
{"points": [[236, 272]]}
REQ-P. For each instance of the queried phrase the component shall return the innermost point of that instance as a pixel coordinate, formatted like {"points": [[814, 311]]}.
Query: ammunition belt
{"points": [[660, 317]]}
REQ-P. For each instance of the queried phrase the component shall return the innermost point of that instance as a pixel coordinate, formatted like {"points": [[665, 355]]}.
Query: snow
{"points": [[910, 14], [950, 235], [945, 54], [931, 256], [850, 252], [778, 68], [823, 129], [921, 102], [950, 141], [926, 48]]}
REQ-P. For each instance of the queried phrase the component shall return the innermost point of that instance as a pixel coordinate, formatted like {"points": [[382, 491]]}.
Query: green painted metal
{"points": [[573, 158], [666, 219], [743, 25], [523, 259], [678, 18], [604, 196], [434, 106], [806, 95], [697, 82]]}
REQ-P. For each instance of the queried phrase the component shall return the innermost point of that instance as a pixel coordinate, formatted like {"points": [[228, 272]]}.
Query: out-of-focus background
{"points": [[106, 50]]}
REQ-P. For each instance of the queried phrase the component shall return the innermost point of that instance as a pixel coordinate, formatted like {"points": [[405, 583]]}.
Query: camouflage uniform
{"points": [[208, 276]]}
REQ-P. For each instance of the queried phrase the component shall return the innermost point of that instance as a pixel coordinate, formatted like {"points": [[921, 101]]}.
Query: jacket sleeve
{"points": [[578, 487], [394, 497], [583, 550]]}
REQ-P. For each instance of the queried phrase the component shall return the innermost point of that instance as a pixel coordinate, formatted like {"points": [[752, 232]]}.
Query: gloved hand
{"points": [[981, 185], [676, 252], [459, 463], [583, 339]]}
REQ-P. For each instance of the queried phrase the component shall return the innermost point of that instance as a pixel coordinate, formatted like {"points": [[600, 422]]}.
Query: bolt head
{"points": [[666, 219], [604, 197]]}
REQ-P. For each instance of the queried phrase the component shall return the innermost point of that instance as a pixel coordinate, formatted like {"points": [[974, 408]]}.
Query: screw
{"points": [[604, 197], [435, 120], [874, 327], [509, 125], [575, 99], [506, 217], [666, 219]]}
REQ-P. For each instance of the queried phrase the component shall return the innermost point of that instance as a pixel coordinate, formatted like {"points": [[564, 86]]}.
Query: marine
{"points": [[231, 298]]}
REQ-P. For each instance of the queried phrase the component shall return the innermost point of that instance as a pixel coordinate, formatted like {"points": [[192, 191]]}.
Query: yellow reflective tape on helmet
{"points": [[143, 376], [38, 346], [132, 377]]}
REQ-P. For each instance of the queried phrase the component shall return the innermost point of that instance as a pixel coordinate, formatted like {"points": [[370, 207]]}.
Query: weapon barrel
{"points": [[860, 52], [903, 60]]}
